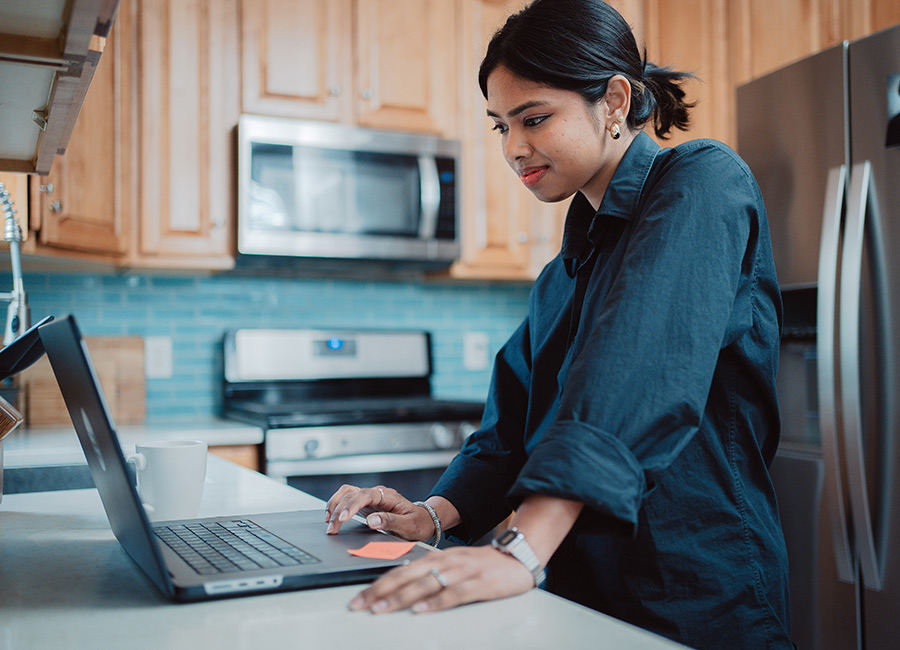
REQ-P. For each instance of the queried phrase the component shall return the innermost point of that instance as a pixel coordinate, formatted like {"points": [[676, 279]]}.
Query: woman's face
{"points": [[553, 139]]}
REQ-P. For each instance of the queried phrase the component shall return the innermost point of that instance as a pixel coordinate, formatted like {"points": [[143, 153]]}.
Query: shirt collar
{"points": [[620, 200]]}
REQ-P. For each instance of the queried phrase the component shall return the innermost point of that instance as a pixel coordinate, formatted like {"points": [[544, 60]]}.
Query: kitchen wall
{"points": [[195, 311]]}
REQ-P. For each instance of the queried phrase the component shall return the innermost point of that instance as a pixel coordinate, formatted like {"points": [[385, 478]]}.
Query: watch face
{"points": [[506, 537]]}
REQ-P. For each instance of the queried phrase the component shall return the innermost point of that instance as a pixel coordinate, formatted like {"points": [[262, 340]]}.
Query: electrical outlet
{"points": [[475, 350], [158, 357]]}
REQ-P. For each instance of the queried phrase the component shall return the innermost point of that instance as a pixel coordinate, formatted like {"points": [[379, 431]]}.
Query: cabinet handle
{"points": [[46, 189], [55, 206], [368, 93], [522, 237], [334, 91]]}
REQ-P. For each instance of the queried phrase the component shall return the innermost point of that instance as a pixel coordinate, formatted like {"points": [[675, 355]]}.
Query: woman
{"points": [[632, 416]]}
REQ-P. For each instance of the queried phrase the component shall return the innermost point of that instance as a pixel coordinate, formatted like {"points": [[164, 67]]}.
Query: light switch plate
{"points": [[158, 357], [475, 351]]}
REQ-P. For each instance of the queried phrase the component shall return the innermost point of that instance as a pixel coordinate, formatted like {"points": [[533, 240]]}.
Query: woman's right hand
{"points": [[384, 509]]}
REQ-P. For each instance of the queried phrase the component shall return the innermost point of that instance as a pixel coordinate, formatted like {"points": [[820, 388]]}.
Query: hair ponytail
{"points": [[579, 45], [659, 97]]}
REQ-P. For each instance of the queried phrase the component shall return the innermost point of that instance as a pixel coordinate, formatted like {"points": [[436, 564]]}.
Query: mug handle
{"points": [[139, 460]]}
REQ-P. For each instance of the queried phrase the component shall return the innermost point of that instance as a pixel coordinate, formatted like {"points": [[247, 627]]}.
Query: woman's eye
{"points": [[534, 121], [501, 128]]}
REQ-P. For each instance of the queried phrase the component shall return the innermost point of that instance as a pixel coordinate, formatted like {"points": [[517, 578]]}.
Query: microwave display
{"points": [[323, 190]]}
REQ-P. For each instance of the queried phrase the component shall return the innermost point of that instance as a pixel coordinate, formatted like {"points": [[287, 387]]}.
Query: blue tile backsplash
{"points": [[195, 311]]}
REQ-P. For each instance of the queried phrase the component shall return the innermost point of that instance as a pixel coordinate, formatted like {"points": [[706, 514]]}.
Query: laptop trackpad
{"points": [[306, 530]]}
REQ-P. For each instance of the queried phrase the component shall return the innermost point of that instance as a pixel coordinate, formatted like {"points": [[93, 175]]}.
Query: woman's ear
{"points": [[618, 99]]}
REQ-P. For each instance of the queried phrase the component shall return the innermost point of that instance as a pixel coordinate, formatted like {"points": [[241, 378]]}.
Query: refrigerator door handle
{"points": [[851, 279], [825, 369]]}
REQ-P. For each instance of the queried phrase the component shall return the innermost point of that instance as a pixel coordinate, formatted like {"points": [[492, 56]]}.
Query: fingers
{"points": [[350, 500], [447, 579], [404, 587]]}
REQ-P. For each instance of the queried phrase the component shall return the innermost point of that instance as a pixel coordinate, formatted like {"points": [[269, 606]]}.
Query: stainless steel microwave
{"points": [[329, 191]]}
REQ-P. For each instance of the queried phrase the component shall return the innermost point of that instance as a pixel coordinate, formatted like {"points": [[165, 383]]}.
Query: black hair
{"points": [[579, 45]]}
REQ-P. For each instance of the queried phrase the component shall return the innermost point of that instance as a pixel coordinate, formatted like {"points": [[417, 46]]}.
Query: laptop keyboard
{"points": [[227, 546]]}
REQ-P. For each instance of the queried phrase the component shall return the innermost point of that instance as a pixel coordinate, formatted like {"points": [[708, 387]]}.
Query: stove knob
{"points": [[310, 446], [442, 436]]}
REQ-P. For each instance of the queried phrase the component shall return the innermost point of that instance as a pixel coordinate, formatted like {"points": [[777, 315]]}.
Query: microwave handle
{"points": [[430, 186]]}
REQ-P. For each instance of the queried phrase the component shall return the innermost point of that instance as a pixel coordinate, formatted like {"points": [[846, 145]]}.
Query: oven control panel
{"points": [[308, 451], [333, 441]]}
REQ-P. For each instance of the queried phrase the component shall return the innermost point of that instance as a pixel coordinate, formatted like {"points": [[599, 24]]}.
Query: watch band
{"points": [[512, 542]]}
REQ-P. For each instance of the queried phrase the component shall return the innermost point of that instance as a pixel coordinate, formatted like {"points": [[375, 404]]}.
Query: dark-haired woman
{"points": [[632, 416]]}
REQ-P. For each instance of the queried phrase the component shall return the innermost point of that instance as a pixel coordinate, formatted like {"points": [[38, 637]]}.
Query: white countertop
{"points": [[27, 447], [66, 582]]}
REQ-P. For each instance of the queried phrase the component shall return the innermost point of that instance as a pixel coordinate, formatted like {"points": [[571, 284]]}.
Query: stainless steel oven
{"points": [[345, 407]]}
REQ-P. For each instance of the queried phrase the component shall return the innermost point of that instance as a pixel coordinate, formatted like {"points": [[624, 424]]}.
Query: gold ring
{"points": [[439, 577]]}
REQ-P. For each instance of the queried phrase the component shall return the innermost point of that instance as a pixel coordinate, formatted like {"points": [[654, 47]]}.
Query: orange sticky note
{"points": [[382, 550]]}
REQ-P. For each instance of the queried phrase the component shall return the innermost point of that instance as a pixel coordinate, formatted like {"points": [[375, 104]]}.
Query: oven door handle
{"points": [[363, 464]]}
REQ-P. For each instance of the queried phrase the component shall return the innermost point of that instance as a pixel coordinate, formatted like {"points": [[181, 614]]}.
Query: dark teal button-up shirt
{"points": [[642, 384]]}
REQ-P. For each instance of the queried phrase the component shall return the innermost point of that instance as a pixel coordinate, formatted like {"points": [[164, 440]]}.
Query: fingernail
{"points": [[344, 516], [358, 602], [327, 516], [421, 606], [375, 521], [330, 528], [379, 605]]}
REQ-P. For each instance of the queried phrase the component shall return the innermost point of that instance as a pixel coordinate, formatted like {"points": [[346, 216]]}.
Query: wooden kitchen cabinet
{"points": [[497, 209], [297, 59], [388, 64], [406, 64], [17, 186], [86, 203], [245, 455], [190, 104]]}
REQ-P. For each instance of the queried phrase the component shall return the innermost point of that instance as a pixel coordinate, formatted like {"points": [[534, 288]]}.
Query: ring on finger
{"points": [[439, 577], [382, 496]]}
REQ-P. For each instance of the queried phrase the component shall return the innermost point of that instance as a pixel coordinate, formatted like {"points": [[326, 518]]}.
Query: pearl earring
{"points": [[615, 132]]}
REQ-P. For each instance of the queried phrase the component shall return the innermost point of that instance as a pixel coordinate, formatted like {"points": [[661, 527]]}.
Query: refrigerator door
{"points": [[793, 133], [792, 128], [874, 398]]}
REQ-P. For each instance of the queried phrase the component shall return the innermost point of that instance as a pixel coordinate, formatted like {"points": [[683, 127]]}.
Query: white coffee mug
{"points": [[170, 477]]}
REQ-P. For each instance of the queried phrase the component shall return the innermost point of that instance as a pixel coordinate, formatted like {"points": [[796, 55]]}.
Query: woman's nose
{"points": [[515, 147]]}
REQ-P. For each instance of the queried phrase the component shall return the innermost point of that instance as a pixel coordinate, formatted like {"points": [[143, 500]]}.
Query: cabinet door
{"points": [[765, 35], [189, 109], [691, 35], [85, 203], [496, 206], [407, 64], [297, 58], [859, 19], [17, 187]]}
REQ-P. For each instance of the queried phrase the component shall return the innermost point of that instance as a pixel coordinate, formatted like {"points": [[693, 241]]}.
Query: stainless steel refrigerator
{"points": [[822, 137]]}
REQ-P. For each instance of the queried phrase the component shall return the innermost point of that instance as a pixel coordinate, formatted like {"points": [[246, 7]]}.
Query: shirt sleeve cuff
{"points": [[477, 490], [580, 463]]}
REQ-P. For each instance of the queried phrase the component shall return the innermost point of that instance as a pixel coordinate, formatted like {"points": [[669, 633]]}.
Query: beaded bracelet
{"points": [[434, 518]]}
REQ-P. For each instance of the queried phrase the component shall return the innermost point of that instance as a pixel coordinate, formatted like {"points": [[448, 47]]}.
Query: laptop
{"points": [[274, 551]]}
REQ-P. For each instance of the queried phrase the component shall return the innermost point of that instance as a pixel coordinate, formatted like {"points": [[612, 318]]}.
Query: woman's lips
{"points": [[531, 175]]}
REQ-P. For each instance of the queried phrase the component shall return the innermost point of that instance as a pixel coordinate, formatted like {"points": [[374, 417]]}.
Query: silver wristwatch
{"points": [[513, 543]]}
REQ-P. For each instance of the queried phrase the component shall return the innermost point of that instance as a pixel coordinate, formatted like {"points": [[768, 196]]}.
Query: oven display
{"points": [[334, 347]]}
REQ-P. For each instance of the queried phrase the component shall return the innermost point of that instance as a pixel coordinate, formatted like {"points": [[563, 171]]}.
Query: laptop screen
{"points": [[81, 391]]}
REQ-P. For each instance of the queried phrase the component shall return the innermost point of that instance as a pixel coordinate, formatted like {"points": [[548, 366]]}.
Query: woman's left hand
{"points": [[446, 579]]}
